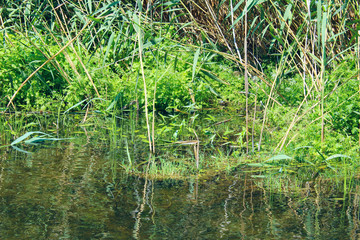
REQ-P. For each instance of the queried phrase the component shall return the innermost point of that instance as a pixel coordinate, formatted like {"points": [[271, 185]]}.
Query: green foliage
{"points": [[343, 104], [19, 60], [106, 81], [172, 75]]}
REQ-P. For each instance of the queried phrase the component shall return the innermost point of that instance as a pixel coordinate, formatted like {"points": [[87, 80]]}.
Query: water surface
{"points": [[76, 190]]}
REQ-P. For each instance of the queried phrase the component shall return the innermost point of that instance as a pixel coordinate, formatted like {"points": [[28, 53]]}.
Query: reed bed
{"points": [[298, 57]]}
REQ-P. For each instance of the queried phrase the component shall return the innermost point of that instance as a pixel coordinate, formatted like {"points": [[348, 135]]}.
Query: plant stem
{"points": [[144, 81], [246, 83]]}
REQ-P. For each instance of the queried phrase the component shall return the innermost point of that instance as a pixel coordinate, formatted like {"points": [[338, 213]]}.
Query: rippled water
{"points": [[74, 191]]}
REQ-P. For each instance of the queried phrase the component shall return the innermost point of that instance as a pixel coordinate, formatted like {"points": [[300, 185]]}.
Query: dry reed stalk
{"points": [[295, 120], [56, 65], [292, 124], [86, 71], [265, 112], [358, 65], [253, 126], [246, 84], [317, 119], [218, 27], [66, 54]]}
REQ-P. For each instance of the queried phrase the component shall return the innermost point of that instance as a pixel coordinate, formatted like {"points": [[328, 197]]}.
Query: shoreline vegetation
{"points": [[201, 87]]}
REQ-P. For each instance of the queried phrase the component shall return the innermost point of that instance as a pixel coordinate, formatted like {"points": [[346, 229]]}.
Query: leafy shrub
{"points": [[19, 60]]}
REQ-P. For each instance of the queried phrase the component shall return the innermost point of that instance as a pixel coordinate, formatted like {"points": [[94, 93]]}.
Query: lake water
{"points": [[77, 189], [74, 191]]}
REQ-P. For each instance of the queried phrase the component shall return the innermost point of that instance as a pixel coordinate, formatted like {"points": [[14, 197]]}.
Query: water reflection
{"points": [[72, 191]]}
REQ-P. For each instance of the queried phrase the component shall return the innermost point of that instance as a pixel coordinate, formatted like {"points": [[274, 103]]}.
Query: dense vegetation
{"points": [[290, 69]]}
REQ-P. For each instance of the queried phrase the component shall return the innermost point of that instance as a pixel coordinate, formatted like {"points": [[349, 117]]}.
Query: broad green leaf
{"points": [[74, 106], [314, 57], [21, 150], [105, 8], [110, 42], [20, 139], [35, 140], [116, 99], [258, 165], [196, 57], [212, 76]]}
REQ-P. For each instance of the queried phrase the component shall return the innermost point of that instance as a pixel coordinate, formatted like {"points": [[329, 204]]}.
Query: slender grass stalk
{"points": [[253, 126], [265, 112], [128, 153], [295, 120], [218, 26], [358, 70], [233, 31], [323, 63], [154, 109], [246, 82], [153, 119], [139, 35], [67, 33]]}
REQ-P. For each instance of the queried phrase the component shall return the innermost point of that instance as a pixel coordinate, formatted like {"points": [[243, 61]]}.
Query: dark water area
{"points": [[74, 191]]}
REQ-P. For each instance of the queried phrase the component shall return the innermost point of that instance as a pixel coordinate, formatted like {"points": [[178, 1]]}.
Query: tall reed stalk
{"points": [[246, 82], [139, 35], [358, 70], [323, 64]]}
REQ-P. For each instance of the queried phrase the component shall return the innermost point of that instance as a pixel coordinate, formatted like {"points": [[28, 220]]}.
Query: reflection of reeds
{"points": [[196, 144], [136, 233]]}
